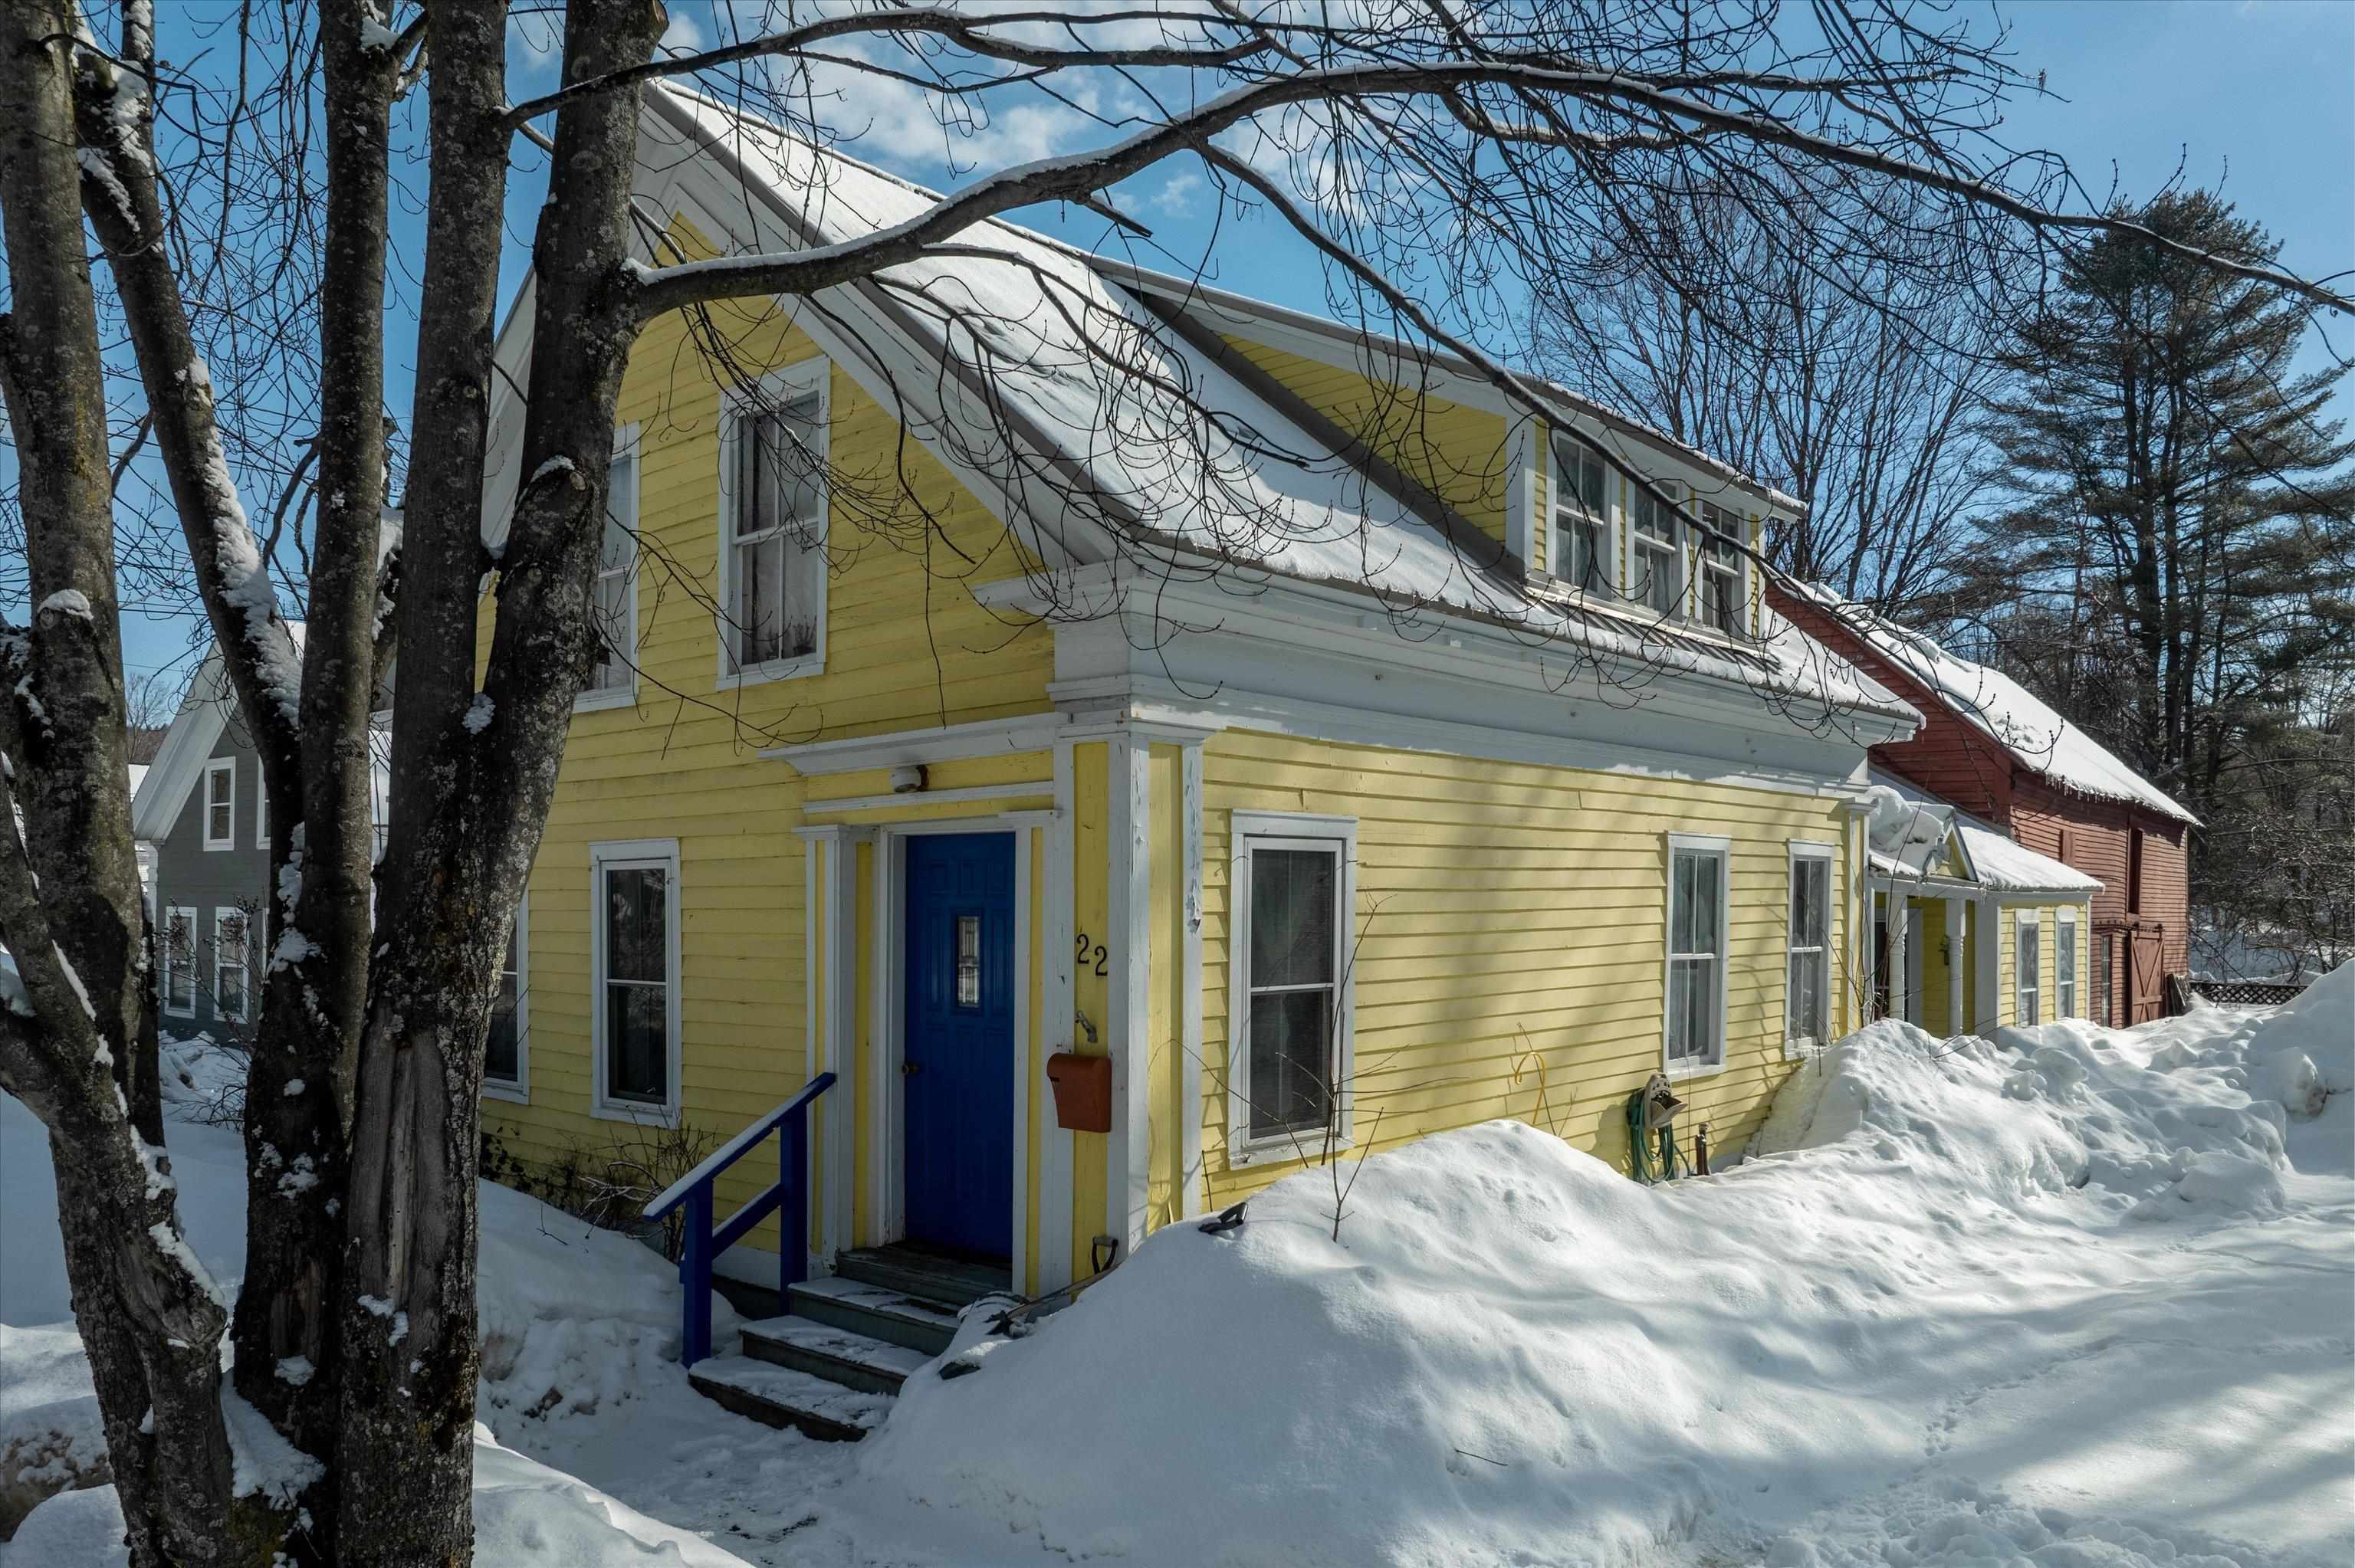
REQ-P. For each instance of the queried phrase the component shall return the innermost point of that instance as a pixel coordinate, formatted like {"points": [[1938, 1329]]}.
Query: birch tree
{"points": [[1436, 157]]}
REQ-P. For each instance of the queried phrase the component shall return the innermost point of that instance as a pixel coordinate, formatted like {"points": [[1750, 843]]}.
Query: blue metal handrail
{"points": [[704, 1241]]}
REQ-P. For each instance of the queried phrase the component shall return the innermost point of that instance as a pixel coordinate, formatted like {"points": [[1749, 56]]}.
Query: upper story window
{"points": [[503, 1048], [1582, 553], [772, 521], [1720, 570], [614, 679], [1656, 577], [221, 803]]}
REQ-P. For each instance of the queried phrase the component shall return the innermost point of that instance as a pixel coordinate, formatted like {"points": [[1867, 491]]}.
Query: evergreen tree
{"points": [[2179, 564]]}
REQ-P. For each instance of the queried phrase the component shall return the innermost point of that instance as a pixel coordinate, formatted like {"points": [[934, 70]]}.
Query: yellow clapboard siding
{"points": [[1458, 453], [1512, 919], [681, 764]]}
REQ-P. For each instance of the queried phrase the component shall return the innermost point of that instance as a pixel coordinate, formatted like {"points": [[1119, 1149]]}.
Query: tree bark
{"points": [[69, 897], [469, 799]]}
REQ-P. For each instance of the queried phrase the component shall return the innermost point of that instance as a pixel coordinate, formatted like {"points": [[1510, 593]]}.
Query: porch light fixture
{"points": [[908, 779]]}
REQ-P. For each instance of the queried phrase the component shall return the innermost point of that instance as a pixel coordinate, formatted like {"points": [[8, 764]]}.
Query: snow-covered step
{"points": [[855, 1360], [892, 1316], [782, 1396]]}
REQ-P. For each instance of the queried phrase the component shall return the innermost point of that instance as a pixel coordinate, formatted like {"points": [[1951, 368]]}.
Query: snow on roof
{"points": [[1246, 486], [1999, 863], [2006, 712]]}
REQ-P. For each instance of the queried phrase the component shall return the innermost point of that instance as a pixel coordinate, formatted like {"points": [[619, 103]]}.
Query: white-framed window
{"points": [[1693, 1033], [614, 679], [1806, 1022], [179, 961], [2064, 965], [1583, 554], [233, 965], [221, 803], [2026, 962], [1656, 564], [773, 519], [261, 808], [1291, 891], [506, 1050], [633, 1011], [1722, 603]]}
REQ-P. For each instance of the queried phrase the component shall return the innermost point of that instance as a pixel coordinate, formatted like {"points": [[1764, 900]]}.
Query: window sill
{"points": [[1801, 1048], [514, 1094], [1285, 1151], [1680, 1071], [636, 1113], [602, 699], [775, 670], [211, 848]]}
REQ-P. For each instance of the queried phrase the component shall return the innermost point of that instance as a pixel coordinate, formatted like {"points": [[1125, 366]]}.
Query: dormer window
{"points": [[1658, 577], [1720, 570], [1582, 517]]}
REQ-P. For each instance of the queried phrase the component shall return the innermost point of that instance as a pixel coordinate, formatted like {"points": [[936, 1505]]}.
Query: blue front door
{"points": [[958, 1062]]}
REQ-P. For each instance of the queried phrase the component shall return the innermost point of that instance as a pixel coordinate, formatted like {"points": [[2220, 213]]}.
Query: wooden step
{"points": [[784, 1397], [890, 1316], [855, 1360], [927, 1275]]}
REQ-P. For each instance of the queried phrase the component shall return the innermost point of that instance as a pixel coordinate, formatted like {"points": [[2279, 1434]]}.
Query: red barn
{"points": [[1989, 746]]}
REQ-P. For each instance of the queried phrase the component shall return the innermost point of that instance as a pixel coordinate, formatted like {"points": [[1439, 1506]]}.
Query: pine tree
{"points": [[2181, 558]]}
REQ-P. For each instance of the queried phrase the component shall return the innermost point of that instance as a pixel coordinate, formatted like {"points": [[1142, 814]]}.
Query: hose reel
{"points": [[1651, 1130]]}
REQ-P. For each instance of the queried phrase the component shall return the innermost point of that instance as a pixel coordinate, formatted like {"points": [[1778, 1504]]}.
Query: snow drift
{"points": [[1514, 1354]]}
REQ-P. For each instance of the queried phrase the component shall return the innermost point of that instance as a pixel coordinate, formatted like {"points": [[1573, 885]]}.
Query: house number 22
{"points": [[1097, 954]]}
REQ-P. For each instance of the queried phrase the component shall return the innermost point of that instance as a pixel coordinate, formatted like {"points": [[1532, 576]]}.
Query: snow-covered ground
{"points": [[2081, 1297]]}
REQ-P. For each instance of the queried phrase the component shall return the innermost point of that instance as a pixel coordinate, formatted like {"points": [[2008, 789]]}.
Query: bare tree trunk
{"points": [[469, 800], [152, 1322]]}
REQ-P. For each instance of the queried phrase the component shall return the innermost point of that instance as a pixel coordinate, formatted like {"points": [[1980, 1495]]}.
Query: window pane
{"points": [[636, 929], [1693, 921], [1693, 1008], [179, 961], [1291, 917], [615, 636], [968, 960], [800, 475], [1290, 1043], [636, 1028], [755, 497], [759, 598], [499, 1054], [1806, 996], [619, 545]]}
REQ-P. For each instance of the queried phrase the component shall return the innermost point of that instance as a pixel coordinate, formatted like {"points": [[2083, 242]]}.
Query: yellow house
{"points": [[1319, 753], [1938, 882]]}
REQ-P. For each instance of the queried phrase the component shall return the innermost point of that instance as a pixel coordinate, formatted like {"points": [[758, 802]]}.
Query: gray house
{"points": [[203, 807]]}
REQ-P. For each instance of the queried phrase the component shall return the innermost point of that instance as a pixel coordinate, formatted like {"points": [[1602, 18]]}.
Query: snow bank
{"points": [[50, 1435], [572, 1316], [1512, 1354], [525, 1516]]}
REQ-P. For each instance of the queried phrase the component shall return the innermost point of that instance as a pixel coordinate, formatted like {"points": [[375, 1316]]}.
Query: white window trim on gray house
{"points": [[225, 769], [188, 961]]}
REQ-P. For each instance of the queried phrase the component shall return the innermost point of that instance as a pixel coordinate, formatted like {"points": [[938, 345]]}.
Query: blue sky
{"points": [[2257, 94]]}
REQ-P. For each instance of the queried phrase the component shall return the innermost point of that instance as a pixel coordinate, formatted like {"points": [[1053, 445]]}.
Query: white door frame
{"points": [[887, 1111]]}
